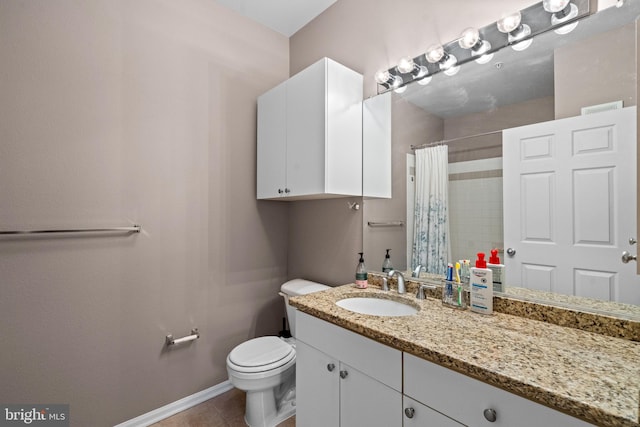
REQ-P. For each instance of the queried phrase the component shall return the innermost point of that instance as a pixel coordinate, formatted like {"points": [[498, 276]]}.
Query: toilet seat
{"points": [[260, 355]]}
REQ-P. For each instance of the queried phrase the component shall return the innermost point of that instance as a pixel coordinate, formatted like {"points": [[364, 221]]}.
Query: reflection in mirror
{"points": [[555, 78]]}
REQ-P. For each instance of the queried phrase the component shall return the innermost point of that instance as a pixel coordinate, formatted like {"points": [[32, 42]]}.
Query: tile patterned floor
{"points": [[225, 410]]}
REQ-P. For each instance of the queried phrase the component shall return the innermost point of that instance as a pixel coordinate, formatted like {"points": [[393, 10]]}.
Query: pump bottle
{"points": [[386, 264], [497, 270], [361, 273], [481, 287]]}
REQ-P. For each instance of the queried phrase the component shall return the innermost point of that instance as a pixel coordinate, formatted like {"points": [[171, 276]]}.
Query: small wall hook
{"points": [[355, 206]]}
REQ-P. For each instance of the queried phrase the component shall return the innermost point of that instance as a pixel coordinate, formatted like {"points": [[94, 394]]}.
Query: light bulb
{"points": [[400, 89], [448, 61], [522, 32], [434, 53], [405, 65], [382, 76], [424, 81], [553, 6], [520, 46], [509, 22], [452, 71], [567, 14], [485, 58], [469, 38]]}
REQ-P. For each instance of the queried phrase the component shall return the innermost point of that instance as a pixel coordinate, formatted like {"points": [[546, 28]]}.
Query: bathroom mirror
{"points": [[554, 78]]}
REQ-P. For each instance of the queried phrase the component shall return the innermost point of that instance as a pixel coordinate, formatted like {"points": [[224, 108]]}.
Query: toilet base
{"points": [[268, 408]]}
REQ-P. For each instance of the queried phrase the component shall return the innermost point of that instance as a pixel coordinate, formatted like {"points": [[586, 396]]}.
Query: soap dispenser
{"points": [[361, 273], [497, 270], [481, 287], [386, 264]]}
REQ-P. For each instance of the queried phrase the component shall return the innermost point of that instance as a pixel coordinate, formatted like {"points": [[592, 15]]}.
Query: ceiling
{"points": [[283, 16]]}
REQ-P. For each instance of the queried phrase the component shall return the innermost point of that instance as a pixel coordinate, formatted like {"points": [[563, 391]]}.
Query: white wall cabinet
{"points": [[472, 402], [338, 381], [310, 135]]}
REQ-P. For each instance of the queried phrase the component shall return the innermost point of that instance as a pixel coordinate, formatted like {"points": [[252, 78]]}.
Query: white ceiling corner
{"points": [[283, 16]]}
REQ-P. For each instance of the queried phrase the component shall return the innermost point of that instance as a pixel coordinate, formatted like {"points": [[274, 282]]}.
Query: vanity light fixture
{"points": [[479, 44], [445, 61], [512, 25], [385, 78], [407, 65], [562, 11], [470, 39]]}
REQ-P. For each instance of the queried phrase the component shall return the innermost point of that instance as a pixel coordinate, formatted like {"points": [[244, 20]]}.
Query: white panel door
{"points": [[570, 205]]}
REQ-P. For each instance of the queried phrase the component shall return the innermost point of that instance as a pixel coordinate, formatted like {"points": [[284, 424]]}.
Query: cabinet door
{"points": [[418, 415], [317, 388], [467, 399], [306, 114], [367, 402], [272, 139]]}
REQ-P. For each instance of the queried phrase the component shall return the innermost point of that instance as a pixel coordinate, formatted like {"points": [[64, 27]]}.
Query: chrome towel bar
{"points": [[131, 229], [173, 341], [386, 224]]}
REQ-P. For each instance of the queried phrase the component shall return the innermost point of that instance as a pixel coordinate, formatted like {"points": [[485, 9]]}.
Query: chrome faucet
{"points": [[401, 288], [416, 272]]}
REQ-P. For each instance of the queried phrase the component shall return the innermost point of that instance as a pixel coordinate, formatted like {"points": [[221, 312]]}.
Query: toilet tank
{"points": [[294, 288]]}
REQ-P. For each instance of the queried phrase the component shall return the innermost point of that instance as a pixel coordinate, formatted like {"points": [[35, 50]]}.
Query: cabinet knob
{"points": [[280, 191], [331, 367], [490, 415], [286, 190], [409, 412], [343, 374]]}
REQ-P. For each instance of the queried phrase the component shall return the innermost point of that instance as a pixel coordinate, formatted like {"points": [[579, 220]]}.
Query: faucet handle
{"points": [[421, 294], [385, 284]]}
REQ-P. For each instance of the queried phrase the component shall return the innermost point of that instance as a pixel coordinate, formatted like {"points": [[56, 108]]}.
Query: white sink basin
{"points": [[377, 306]]}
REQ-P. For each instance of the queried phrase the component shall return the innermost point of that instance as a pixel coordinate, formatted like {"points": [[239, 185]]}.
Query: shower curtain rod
{"points": [[446, 141]]}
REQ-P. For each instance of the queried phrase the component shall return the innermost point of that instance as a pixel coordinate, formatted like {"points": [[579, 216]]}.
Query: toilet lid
{"points": [[260, 354]]}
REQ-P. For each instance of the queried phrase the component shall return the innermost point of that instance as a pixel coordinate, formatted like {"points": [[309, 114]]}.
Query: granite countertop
{"points": [[587, 375]]}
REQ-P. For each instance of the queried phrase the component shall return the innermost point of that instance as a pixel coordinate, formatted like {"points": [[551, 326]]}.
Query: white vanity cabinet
{"points": [[310, 135], [472, 402], [344, 379]]}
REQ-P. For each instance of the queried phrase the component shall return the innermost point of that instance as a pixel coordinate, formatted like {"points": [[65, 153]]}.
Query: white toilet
{"points": [[264, 367]]}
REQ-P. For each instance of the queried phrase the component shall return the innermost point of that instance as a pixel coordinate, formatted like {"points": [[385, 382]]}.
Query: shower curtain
{"points": [[431, 229]]}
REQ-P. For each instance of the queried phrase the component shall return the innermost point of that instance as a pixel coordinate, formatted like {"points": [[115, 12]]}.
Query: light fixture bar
{"points": [[420, 69]]}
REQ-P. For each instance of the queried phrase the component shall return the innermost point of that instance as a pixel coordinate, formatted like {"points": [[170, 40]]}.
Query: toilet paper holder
{"points": [[169, 340]]}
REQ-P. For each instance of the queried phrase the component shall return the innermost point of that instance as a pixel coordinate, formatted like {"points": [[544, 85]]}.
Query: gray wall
{"points": [[115, 112]]}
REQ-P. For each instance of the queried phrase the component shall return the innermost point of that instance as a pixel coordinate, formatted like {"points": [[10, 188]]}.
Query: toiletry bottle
{"points": [[497, 270], [481, 287], [361, 273], [386, 264]]}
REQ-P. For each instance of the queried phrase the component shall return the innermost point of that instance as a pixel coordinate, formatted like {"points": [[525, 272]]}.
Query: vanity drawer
{"points": [[466, 399], [368, 356]]}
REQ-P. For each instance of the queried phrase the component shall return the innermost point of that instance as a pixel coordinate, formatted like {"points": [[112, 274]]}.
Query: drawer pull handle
{"points": [[409, 412], [343, 374], [490, 415], [331, 367]]}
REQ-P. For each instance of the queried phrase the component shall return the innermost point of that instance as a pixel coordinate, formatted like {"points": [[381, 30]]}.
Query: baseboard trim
{"points": [[166, 411]]}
